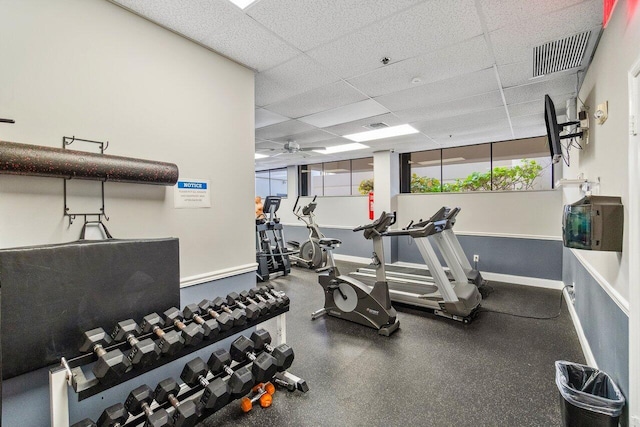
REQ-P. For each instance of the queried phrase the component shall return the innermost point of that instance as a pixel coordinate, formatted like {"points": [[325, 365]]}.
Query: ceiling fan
{"points": [[292, 147]]}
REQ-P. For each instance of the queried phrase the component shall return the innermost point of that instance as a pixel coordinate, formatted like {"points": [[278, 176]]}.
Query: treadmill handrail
{"points": [[427, 230]]}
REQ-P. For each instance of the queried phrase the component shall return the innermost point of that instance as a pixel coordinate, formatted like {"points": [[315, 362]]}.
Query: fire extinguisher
{"points": [[370, 204]]}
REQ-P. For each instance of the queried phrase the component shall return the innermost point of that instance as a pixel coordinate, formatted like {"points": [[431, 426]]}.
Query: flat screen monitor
{"points": [[553, 130]]}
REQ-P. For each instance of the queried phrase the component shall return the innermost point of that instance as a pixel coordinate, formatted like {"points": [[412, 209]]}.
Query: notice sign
{"points": [[192, 193]]}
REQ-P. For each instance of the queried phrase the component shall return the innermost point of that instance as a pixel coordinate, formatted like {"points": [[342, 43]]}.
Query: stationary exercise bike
{"points": [[350, 299], [310, 254]]}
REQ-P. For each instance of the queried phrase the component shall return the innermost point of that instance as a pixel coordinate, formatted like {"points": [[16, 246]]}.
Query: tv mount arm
{"points": [[7, 121], [571, 135]]}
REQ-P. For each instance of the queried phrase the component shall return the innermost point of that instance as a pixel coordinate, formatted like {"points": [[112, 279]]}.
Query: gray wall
{"points": [[604, 324], [32, 390], [516, 256]]}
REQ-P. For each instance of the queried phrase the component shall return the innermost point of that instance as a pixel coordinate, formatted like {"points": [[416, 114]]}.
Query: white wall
{"points": [[91, 69], [606, 155], [535, 214]]}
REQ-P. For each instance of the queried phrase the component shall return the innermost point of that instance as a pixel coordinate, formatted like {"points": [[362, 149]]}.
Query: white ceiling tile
{"points": [[301, 74], [265, 118], [530, 131], [514, 43], [310, 137], [442, 91], [193, 19], [500, 13], [290, 127], [250, 44], [537, 91], [359, 125], [346, 113], [488, 133], [450, 125], [485, 101], [530, 120], [428, 26], [320, 99], [462, 58], [312, 23]]}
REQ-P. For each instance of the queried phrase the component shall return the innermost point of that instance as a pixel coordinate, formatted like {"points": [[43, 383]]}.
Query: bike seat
{"points": [[327, 243]]}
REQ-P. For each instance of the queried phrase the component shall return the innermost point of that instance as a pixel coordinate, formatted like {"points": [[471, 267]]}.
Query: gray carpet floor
{"points": [[497, 371]]}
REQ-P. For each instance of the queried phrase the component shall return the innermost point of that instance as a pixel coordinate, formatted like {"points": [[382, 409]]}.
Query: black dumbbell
{"points": [[139, 401], [224, 320], [264, 366], [262, 295], [247, 298], [142, 352], [252, 310], [209, 327], [256, 296], [113, 416], [110, 364], [240, 381], [185, 414], [238, 315], [192, 333], [170, 342], [216, 393], [279, 296], [283, 353]]}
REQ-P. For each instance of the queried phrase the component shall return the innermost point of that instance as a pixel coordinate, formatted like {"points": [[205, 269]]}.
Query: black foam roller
{"points": [[35, 160]]}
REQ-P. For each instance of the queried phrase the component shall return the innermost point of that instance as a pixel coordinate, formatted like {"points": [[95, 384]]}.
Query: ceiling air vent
{"points": [[559, 55], [379, 125]]}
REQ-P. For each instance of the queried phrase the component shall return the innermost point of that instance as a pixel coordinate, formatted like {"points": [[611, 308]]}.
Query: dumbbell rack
{"points": [[69, 374]]}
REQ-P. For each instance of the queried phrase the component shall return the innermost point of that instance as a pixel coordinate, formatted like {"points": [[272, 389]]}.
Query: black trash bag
{"points": [[589, 388]]}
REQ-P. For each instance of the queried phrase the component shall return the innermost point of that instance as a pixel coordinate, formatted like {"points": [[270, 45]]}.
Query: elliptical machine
{"points": [[350, 299], [271, 259], [310, 254]]}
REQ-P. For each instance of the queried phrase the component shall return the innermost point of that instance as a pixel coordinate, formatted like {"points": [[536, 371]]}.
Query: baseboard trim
{"points": [[351, 258], [522, 280], [620, 301], [198, 279], [584, 343]]}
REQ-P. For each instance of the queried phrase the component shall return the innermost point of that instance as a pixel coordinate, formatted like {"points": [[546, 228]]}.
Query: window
{"points": [[466, 168], [522, 165], [361, 175], [517, 165], [271, 183], [341, 178], [426, 172]]}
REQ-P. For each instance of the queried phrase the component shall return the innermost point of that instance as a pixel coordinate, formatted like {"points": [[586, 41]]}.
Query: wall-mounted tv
{"points": [[554, 128]]}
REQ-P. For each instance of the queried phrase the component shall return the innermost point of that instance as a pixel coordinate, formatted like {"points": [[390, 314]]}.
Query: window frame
{"points": [[303, 184], [269, 179]]}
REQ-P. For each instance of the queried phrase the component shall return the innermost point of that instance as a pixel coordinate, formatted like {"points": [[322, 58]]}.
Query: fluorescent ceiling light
{"points": [[334, 171], [389, 132], [342, 148], [242, 4], [260, 156], [437, 162]]}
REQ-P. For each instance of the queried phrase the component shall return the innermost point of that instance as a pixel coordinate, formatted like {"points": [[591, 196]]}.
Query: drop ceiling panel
{"points": [[519, 73], [312, 23], [500, 13], [359, 125], [320, 99], [475, 135], [249, 43], [442, 91], [514, 43], [344, 114], [299, 75], [449, 125], [310, 137], [485, 101], [266, 118], [530, 131], [290, 127], [428, 26], [536, 91], [530, 120], [195, 20], [462, 58]]}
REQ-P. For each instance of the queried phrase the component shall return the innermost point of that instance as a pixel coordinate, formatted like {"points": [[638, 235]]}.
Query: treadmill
{"points": [[422, 275], [457, 299]]}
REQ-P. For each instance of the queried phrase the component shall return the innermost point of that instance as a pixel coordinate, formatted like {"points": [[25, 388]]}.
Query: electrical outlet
{"points": [[476, 258]]}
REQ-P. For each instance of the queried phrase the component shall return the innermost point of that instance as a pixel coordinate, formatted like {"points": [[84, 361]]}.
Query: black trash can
{"points": [[588, 396]]}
